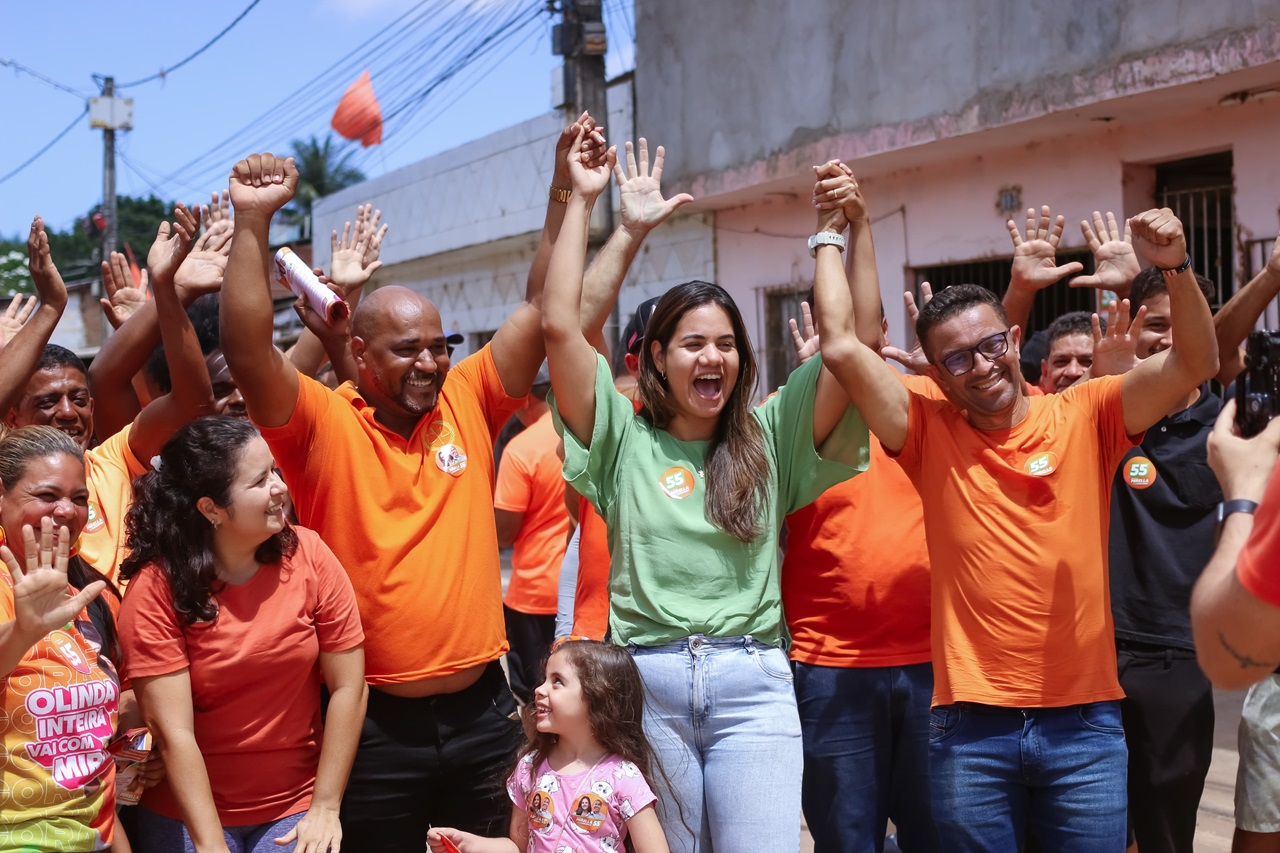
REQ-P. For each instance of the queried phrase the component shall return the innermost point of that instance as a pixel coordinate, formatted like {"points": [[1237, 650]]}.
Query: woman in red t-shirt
{"points": [[231, 619]]}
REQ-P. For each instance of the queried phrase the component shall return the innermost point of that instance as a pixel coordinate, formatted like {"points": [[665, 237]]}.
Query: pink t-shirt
{"points": [[584, 812]]}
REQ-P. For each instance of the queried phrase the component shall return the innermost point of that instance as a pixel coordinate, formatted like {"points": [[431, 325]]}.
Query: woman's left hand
{"points": [[152, 771], [317, 832]]}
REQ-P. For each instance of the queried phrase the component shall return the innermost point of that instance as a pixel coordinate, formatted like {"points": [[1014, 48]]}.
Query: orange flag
{"points": [[358, 115]]}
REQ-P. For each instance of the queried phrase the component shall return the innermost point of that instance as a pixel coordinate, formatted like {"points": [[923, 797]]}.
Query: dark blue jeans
{"points": [[866, 754], [1059, 773]]}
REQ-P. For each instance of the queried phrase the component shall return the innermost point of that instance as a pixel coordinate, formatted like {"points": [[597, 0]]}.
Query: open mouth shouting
{"points": [[709, 386]]}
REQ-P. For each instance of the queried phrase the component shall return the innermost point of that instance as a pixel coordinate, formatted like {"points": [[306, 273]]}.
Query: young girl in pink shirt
{"points": [[579, 783]]}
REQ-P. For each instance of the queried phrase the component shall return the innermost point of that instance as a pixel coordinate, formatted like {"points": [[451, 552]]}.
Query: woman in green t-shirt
{"points": [[694, 489]]}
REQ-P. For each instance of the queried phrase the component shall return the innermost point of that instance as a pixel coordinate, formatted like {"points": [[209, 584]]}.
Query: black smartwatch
{"points": [[1230, 507]]}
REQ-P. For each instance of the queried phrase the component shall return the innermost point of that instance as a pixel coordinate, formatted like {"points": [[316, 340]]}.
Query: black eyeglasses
{"points": [[960, 363]]}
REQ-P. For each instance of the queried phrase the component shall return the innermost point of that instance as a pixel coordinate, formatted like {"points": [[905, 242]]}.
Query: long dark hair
{"points": [[737, 467], [614, 695], [17, 448], [165, 527]]}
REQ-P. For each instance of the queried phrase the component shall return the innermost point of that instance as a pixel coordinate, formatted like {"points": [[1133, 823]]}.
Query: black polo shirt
{"points": [[1163, 518]]}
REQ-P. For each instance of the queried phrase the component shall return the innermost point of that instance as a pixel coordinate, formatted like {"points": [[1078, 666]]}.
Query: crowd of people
{"points": [[980, 599]]}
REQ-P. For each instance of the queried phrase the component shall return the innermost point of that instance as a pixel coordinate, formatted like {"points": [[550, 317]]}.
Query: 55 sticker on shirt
{"points": [[677, 482], [1139, 472]]}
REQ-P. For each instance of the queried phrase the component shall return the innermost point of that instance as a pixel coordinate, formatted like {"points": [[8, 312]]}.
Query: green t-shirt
{"points": [[672, 572]]}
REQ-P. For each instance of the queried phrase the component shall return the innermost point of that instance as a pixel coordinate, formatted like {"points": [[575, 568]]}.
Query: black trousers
{"points": [[530, 636], [434, 761], [1168, 724]]}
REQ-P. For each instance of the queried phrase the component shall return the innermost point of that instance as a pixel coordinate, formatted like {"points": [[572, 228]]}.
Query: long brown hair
{"points": [[737, 467], [614, 695]]}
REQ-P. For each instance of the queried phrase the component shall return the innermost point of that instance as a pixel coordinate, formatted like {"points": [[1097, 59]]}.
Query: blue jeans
{"points": [[720, 714], [1060, 773], [160, 834], [866, 756]]}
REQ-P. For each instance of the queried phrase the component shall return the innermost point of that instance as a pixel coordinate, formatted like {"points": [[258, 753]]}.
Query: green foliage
{"points": [[77, 254], [321, 171]]}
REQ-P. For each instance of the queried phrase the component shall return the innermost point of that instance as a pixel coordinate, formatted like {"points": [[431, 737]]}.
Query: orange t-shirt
{"points": [[109, 470], [591, 595], [1017, 529], [529, 481], [855, 580], [410, 521], [255, 676]]}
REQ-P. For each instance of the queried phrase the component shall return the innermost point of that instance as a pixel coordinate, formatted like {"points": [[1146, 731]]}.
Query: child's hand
{"points": [[443, 839]]}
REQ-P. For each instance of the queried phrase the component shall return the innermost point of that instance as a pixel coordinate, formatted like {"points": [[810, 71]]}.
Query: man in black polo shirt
{"points": [[1163, 515]]}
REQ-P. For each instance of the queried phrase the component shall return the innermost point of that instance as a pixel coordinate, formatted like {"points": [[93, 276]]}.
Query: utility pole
{"points": [[110, 114], [112, 234], [581, 39]]}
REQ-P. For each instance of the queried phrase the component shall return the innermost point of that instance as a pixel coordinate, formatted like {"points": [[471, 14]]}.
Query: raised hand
{"points": [[44, 275], [838, 187], [1115, 263], [217, 213], [589, 175], [1116, 352], [41, 599], [1158, 237], [1034, 255], [641, 204], [172, 245], [352, 262], [123, 298], [261, 184], [834, 183], [805, 341], [15, 316], [315, 322], [913, 359], [560, 173], [367, 220]]}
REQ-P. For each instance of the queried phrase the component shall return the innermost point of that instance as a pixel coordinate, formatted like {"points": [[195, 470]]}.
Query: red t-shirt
{"points": [[1256, 565], [855, 580], [255, 676]]}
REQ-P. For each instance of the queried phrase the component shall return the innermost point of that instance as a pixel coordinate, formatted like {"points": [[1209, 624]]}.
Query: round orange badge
{"points": [[1042, 464], [1139, 472], [677, 482], [589, 812], [542, 809]]}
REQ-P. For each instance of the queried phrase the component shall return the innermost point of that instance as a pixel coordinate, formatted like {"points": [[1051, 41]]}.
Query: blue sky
{"points": [[279, 47]]}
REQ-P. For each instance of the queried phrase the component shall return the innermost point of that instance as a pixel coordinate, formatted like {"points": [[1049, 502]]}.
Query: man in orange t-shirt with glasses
{"points": [[1026, 734]]}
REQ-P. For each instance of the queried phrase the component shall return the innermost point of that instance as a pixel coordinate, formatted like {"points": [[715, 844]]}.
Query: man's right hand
{"points": [[44, 275], [1115, 263], [1035, 255], [261, 184], [1242, 465]]}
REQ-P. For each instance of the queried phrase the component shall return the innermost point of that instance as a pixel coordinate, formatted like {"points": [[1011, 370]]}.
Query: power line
{"points": [[50, 144], [16, 66], [163, 72]]}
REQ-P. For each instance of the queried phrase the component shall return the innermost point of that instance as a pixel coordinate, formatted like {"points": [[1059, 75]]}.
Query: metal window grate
{"points": [[993, 274], [1208, 221], [779, 305]]}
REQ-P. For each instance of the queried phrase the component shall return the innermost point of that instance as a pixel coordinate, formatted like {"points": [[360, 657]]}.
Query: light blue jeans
{"points": [[567, 591], [721, 715]]}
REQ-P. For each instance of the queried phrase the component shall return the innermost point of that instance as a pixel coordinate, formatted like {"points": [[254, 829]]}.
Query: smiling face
{"points": [[58, 397], [1069, 357], [1156, 334], [993, 387], [558, 701], [256, 506], [51, 487], [403, 357], [701, 364]]}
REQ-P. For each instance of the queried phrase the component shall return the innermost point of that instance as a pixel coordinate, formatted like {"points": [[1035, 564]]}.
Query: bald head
{"points": [[392, 306]]}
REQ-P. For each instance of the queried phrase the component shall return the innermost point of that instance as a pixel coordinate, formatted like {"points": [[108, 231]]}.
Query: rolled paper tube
{"points": [[298, 277]]}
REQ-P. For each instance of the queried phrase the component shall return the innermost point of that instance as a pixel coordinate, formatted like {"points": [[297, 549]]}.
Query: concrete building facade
{"points": [[955, 117]]}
